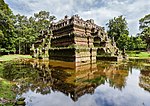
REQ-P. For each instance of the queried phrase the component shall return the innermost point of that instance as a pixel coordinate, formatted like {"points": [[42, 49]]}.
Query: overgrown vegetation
{"points": [[18, 32], [118, 30]]}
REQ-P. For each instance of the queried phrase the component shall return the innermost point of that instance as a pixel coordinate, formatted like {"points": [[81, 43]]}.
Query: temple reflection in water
{"points": [[44, 76], [145, 79]]}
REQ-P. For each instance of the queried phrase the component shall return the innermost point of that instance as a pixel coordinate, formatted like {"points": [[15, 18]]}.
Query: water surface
{"points": [[55, 83]]}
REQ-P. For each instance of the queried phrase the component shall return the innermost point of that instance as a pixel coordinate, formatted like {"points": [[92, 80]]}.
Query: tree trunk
{"points": [[19, 47]]}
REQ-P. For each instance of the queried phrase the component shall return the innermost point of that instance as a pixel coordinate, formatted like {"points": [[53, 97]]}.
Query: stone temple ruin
{"points": [[76, 40]]}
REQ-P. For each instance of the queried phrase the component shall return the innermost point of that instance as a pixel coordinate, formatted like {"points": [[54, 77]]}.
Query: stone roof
{"points": [[75, 19]]}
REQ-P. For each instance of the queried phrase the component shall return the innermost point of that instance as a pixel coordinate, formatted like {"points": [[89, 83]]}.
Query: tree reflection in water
{"points": [[145, 79], [45, 76]]}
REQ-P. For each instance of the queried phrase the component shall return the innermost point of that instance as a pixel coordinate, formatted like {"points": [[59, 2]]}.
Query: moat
{"points": [[56, 83]]}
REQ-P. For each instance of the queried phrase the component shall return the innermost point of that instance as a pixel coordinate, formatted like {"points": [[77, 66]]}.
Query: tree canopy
{"points": [[18, 32], [144, 22], [145, 29], [7, 35], [117, 27]]}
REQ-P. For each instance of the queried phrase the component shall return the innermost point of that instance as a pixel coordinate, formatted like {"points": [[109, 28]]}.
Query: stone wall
{"points": [[78, 55], [74, 34]]}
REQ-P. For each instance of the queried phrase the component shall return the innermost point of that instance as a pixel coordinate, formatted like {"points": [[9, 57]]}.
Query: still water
{"points": [[55, 83]]}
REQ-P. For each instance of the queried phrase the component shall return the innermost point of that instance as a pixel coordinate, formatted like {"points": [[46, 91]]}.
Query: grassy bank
{"points": [[7, 96], [12, 57], [138, 54], [6, 93]]}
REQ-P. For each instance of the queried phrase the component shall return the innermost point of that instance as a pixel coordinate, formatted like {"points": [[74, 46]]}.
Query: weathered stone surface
{"points": [[74, 39]]}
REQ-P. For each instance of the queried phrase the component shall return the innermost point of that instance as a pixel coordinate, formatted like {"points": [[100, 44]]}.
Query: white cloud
{"points": [[99, 10], [100, 15]]}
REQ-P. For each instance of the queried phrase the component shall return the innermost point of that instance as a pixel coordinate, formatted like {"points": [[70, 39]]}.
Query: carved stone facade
{"points": [[76, 40], [72, 40], [40, 48]]}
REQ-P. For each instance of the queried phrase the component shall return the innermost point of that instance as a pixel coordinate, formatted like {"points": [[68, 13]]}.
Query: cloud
{"points": [[99, 10], [21, 7]]}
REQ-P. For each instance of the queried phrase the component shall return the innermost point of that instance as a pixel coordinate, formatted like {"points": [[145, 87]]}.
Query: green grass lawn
{"points": [[6, 92], [12, 57], [6, 89], [138, 54]]}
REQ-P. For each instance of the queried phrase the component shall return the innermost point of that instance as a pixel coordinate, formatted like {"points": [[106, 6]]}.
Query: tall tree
{"points": [[21, 30], [6, 28], [117, 29], [18, 32], [28, 29], [43, 20], [131, 44], [145, 29], [144, 22]]}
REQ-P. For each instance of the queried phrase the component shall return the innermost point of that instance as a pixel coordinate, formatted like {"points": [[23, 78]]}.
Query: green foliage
{"points": [[18, 32], [118, 30], [123, 41], [6, 27], [131, 44], [145, 29], [144, 22], [136, 43], [139, 43], [28, 29], [117, 27], [146, 36], [6, 90]]}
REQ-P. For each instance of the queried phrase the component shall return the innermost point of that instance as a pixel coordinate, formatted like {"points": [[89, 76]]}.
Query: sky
{"points": [[99, 10]]}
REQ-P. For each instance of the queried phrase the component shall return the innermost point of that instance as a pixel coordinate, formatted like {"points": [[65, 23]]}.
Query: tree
{"points": [[42, 20], [145, 29], [117, 27], [118, 30], [20, 30], [6, 29], [28, 29], [146, 36], [123, 41], [131, 44], [144, 22], [139, 43]]}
